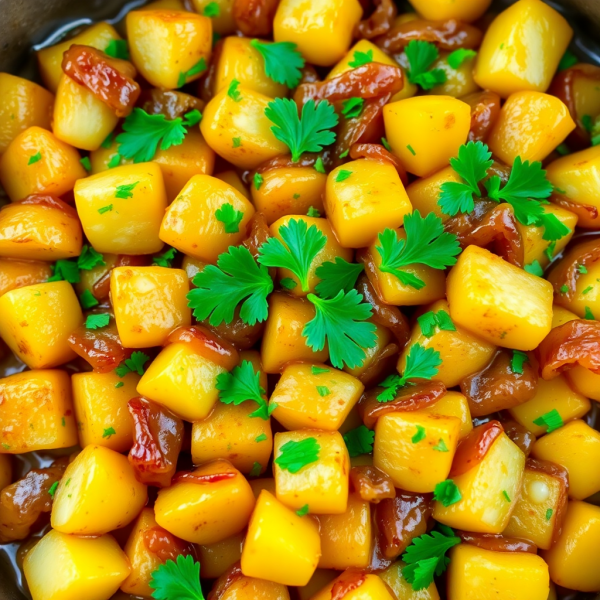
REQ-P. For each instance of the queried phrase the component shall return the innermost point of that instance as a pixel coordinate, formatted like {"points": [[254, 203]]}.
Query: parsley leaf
{"points": [[86, 163], [108, 432], [361, 58], [134, 364], [237, 142], [318, 370], [589, 315], [212, 9], [195, 70], [313, 212], [458, 57], [319, 166], [549, 513], [179, 580], [97, 321], [105, 209], [323, 391], [474, 160], [219, 289], [535, 268], [343, 175], [125, 191], [551, 420], [421, 55], [34, 158], [336, 276], [282, 61], [258, 180], [65, 270], [441, 446], [87, 299], [506, 496], [117, 49], [230, 217], [447, 493], [52, 489], [310, 132], [341, 322], [303, 511], [294, 456], [567, 61], [352, 107], [517, 361], [426, 244], [242, 384], [430, 320], [233, 92], [89, 258], [302, 244], [359, 441], [420, 435], [165, 259]]}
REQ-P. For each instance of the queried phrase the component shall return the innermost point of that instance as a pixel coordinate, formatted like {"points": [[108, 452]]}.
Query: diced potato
{"points": [[169, 48], [550, 395], [121, 209], [240, 131], [372, 588], [107, 423], [369, 200], [322, 400], [22, 173], [346, 538], [462, 353], [530, 125], [573, 560], [586, 94], [5, 470], [462, 10], [459, 82], [499, 302], [485, 490], [575, 446], [16, 274], [393, 578], [369, 367], [560, 316], [415, 466], [191, 224], [24, 104], [453, 404], [97, 493], [280, 546], [67, 567], [283, 341], [424, 193], [50, 59], [322, 484], [205, 512], [536, 511], [249, 588], [289, 191], [39, 231], [322, 29], [258, 485], [320, 579], [233, 179], [36, 412], [217, 558], [149, 303], [584, 381], [478, 573], [222, 23], [37, 321], [330, 251], [522, 48], [425, 132], [229, 432]]}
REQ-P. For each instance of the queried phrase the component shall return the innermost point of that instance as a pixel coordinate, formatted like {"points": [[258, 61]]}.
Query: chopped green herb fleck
{"points": [[420, 435]]}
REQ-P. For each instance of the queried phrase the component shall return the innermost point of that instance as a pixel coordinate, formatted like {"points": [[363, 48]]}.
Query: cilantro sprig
{"points": [[337, 276], [294, 456], [430, 321], [179, 580], [361, 58], [165, 259], [89, 258], [134, 364], [283, 62], [230, 217], [426, 244], [421, 55], [359, 441]]}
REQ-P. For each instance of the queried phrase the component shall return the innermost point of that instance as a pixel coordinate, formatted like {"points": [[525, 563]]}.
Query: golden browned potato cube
{"points": [[21, 273], [372, 588]]}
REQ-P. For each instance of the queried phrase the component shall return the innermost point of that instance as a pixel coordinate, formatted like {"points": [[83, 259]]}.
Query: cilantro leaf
{"points": [[303, 511], [352, 107], [108, 432], [236, 278], [323, 391], [341, 322], [420, 435], [192, 118], [134, 364], [294, 456], [313, 212], [426, 244], [86, 163], [361, 58], [430, 320], [34, 158], [258, 180], [421, 55], [359, 441], [89, 258], [343, 175], [517, 361], [192, 72], [65, 270], [474, 160], [165, 259], [283, 62], [179, 580], [242, 384], [551, 420], [589, 315], [233, 92], [87, 299], [336, 276], [97, 321], [457, 58], [212, 9], [230, 217], [125, 191], [535, 268], [302, 244], [310, 132], [567, 61], [318, 370], [117, 49]]}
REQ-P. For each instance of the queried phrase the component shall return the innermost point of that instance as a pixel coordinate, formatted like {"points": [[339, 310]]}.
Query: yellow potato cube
{"points": [[550, 395], [192, 225], [232, 178], [41, 231], [289, 191], [393, 578], [314, 396], [149, 303], [37, 321], [560, 316], [283, 341], [424, 193], [453, 404], [219, 557], [249, 588], [415, 449], [462, 353], [16, 274], [425, 132], [240, 132], [206, 511], [475, 573], [585, 382], [459, 82], [280, 546], [462, 10], [97, 493], [36, 162], [366, 202], [229, 432], [574, 446], [24, 104], [530, 125], [371, 367], [372, 588], [107, 423], [169, 48], [346, 538], [499, 302], [323, 483], [121, 209], [36, 412], [522, 48], [67, 567], [486, 489], [322, 29], [572, 561]]}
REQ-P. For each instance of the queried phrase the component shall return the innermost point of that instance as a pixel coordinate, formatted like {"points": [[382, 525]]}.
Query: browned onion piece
{"points": [[165, 545], [238, 333], [284, 161], [378, 152], [347, 582], [485, 109], [220, 587], [379, 22], [586, 211], [473, 447], [49, 201], [254, 18], [170, 103], [206, 88], [372, 484], [519, 434], [382, 365], [258, 233], [497, 542]]}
